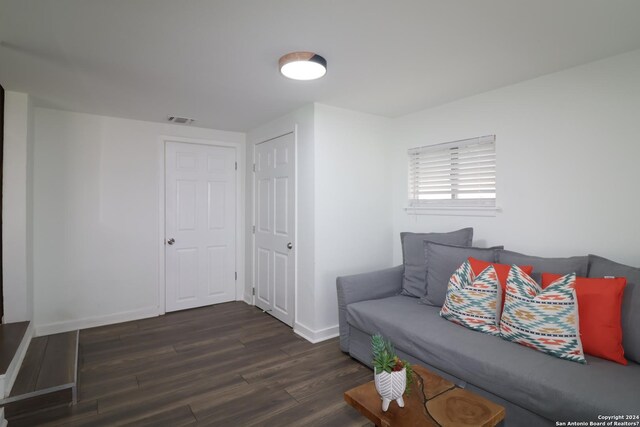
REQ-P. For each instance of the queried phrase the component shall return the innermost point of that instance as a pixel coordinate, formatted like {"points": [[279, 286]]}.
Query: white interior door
{"points": [[200, 218], [274, 256]]}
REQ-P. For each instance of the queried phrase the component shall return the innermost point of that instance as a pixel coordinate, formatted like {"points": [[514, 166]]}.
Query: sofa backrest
{"points": [[576, 264]]}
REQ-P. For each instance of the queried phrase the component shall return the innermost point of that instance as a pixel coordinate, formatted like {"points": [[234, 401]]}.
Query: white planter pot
{"points": [[391, 386]]}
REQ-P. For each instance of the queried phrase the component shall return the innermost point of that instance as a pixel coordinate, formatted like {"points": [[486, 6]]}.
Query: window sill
{"points": [[488, 211]]}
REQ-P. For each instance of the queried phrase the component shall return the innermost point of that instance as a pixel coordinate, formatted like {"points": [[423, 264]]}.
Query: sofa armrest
{"points": [[362, 287]]}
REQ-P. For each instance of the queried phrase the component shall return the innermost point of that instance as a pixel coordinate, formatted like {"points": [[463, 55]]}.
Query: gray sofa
{"points": [[535, 388]]}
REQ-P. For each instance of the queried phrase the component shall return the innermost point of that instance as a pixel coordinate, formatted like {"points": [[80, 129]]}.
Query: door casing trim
{"points": [[239, 261]]}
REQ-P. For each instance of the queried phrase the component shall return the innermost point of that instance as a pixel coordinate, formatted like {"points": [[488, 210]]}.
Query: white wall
{"points": [[300, 121], [97, 239], [343, 205], [17, 219], [354, 228], [567, 146], [17, 222]]}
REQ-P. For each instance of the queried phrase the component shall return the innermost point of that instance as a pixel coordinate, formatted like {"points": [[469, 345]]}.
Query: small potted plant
{"points": [[391, 374]]}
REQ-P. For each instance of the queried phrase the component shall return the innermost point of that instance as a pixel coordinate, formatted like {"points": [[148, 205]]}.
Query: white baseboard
{"points": [[90, 322], [315, 336], [248, 298], [7, 380]]}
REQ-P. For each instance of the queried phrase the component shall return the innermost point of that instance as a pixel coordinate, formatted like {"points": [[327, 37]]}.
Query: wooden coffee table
{"points": [[433, 401]]}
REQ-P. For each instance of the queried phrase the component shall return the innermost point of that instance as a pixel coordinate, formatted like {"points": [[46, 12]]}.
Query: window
{"points": [[453, 174]]}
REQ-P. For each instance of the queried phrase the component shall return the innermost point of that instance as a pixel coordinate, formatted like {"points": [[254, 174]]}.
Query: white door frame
{"points": [[162, 283], [283, 132]]}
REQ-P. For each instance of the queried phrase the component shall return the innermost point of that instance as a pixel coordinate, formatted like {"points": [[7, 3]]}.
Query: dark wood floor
{"points": [[228, 364], [47, 376], [11, 335], [49, 362]]}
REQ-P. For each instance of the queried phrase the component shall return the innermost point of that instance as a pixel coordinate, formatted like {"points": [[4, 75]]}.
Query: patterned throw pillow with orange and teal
{"points": [[545, 320], [473, 302]]}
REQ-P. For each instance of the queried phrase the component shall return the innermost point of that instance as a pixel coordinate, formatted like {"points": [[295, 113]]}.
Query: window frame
{"points": [[454, 202]]}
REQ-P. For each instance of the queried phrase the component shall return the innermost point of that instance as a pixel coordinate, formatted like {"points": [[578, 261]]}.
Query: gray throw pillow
{"points": [[576, 264], [443, 261], [602, 267], [414, 281]]}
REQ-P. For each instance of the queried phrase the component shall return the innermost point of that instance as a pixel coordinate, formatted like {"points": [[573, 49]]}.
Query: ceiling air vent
{"points": [[180, 120]]}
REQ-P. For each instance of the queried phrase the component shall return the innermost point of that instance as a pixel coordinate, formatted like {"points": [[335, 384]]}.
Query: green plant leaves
{"points": [[384, 358]]}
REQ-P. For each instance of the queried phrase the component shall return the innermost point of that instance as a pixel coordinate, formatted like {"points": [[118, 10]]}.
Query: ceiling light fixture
{"points": [[303, 66]]}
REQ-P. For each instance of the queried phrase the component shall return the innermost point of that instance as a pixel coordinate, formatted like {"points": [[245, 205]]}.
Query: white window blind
{"points": [[458, 173]]}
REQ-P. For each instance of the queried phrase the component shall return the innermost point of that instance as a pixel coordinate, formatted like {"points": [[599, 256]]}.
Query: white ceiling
{"points": [[216, 61]]}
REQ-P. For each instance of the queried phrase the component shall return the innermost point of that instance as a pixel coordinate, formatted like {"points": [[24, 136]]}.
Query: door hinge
{"points": [[253, 291], [236, 165], [236, 275], [254, 229], [254, 167]]}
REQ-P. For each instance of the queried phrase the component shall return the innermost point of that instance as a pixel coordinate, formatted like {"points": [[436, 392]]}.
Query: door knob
{"points": [[289, 245], [171, 241]]}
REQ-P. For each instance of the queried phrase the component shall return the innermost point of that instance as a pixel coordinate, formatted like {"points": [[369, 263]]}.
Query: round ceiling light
{"points": [[303, 66]]}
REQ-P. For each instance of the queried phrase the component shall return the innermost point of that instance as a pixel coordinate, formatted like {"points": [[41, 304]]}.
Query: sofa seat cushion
{"points": [[554, 388]]}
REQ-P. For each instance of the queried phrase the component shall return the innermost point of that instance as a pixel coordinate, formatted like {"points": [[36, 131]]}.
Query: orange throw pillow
{"points": [[478, 267], [599, 312]]}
